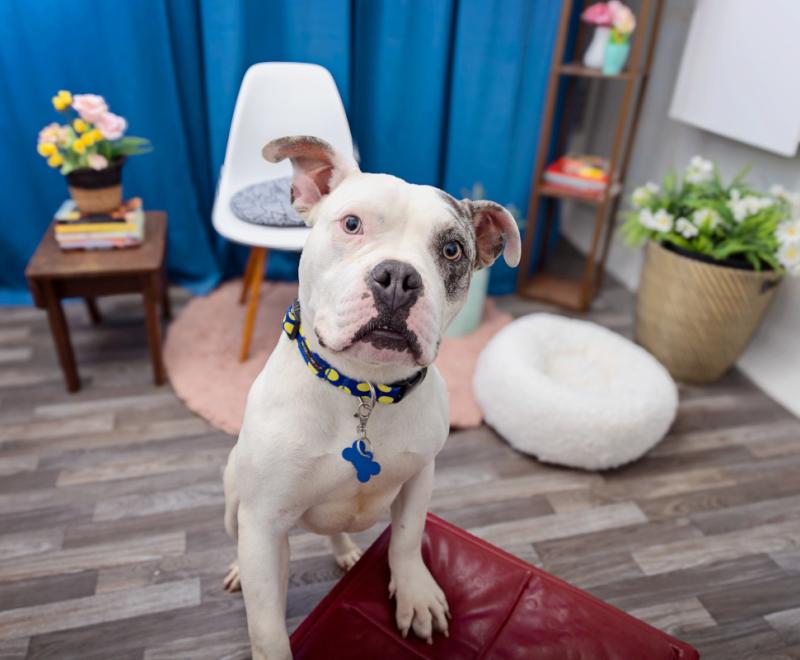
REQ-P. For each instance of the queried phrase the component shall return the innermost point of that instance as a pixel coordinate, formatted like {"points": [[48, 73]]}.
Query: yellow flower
{"points": [[96, 135], [63, 100], [55, 160], [46, 149], [79, 146], [80, 126], [88, 138]]}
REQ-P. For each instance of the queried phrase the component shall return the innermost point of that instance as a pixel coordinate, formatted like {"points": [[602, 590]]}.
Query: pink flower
{"points": [[97, 161], [624, 20], [89, 106], [614, 6], [53, 133], [111, 126], [598, 13]]}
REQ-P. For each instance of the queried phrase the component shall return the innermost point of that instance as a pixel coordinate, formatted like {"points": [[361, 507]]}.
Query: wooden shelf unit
{"points": [[577, 69], [571, 293], [555, 289]]}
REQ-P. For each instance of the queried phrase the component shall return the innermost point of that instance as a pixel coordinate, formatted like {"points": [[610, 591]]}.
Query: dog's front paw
{"points": [[348, 559], [345, 551], [421, 604], [274, 651], [232, 581]]}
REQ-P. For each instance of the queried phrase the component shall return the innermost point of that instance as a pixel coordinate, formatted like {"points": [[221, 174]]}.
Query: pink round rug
{"points": [[202, 354]]}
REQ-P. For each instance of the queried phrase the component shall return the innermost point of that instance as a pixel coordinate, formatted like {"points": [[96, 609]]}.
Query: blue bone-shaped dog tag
{"points": [[361, 459]]}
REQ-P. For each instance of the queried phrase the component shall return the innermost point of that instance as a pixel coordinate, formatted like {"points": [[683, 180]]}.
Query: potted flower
{"points": [[605, 16], [89, 150], [598, 15], [715, 256], [618, 47]]}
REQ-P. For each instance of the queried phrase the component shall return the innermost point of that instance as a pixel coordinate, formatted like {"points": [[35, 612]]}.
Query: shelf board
{"points": [[557, 290], [577, 69], [564, 192]]}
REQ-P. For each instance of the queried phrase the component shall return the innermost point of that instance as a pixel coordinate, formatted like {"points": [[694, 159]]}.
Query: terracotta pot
{"points": [[697, 315], [97, 191]]}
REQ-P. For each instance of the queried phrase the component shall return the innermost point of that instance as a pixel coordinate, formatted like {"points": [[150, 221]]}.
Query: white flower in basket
{"points": [[734, 224], [789, 232], [686, 228]]}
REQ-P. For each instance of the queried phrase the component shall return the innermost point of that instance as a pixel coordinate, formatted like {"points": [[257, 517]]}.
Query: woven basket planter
{"points": [[697, 317], [97, 191]]}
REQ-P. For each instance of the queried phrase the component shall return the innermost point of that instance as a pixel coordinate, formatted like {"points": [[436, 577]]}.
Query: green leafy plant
{"points": [[698, 213]]}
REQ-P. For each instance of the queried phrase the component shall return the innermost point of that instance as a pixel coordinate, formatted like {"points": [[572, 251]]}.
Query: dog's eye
{"points": [[452, 250], [351, 224]]}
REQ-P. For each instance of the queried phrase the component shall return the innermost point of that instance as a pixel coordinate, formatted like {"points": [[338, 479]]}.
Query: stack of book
{"points": [[122, 228], [586, 174]]}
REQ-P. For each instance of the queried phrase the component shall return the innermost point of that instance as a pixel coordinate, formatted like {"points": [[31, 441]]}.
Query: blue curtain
{"points": [[443, 92]]}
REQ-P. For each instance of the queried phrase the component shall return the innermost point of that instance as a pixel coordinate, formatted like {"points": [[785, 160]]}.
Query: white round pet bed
{"points": [[573, 393]]}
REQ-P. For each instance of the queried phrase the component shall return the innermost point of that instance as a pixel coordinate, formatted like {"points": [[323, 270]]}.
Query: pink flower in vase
{"points": [[624, 20], [598, 14], [97, 161], [89, 106], [111, 126]]}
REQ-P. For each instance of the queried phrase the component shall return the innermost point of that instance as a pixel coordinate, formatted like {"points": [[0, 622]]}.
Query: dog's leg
{"points": [[264, 564], [421, 604], [345, 551], [232, 580], [231, 495]]}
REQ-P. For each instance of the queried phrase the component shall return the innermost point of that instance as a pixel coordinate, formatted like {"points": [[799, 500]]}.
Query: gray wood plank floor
{"points": [[111, 538]]}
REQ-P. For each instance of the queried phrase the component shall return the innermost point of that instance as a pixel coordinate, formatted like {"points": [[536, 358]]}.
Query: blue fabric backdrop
{"points": [[444, 92]]}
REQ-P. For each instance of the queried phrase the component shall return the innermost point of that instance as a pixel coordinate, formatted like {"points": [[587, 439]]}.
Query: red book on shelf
{"points": [[584, 173], [502, 607]]}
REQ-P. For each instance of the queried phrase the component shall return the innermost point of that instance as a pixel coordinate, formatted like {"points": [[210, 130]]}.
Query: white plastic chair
{"points": [[275, 99]]}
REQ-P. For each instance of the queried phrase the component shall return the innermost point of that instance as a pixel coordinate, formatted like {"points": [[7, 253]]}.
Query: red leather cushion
{"points": [[502, 608]]}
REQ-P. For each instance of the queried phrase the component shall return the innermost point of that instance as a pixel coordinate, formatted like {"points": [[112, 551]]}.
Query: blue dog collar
{"points": [[386, 394]]}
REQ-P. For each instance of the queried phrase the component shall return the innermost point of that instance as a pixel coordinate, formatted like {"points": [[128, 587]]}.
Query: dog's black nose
{"points": [[396, 284]]}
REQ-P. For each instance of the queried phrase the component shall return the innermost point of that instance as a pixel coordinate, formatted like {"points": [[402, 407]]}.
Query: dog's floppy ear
{"points": [[318, 169], [496, 231]]}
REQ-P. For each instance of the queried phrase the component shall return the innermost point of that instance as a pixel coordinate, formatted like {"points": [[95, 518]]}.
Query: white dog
{"points": [[386, 267]]}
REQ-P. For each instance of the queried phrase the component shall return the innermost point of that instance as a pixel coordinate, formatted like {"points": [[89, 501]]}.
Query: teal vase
{"points": [[615, 57]]}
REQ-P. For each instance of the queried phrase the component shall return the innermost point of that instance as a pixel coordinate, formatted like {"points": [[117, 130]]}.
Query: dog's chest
{"points": [[295, 433], [339, 501], [396, 450], [344, 504]]}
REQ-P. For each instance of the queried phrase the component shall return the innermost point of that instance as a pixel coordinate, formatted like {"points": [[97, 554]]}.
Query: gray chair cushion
{"points": [[266, 203]]}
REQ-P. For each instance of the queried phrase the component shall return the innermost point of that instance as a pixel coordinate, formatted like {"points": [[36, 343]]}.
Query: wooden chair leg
{"points": [[252, 305], [94, 312], [151, 295], [248, 275]]}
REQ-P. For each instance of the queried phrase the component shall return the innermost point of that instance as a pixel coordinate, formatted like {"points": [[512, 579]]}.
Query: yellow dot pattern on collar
{"points": [[392, 393]]}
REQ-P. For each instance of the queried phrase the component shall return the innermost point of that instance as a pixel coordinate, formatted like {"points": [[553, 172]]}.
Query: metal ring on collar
{"points": [[368, 403]]}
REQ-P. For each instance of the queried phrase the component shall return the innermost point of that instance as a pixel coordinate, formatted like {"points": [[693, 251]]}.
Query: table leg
{"points": [[252, 305], [150, 295], [60, 332], [166, 306], [94, 312]]}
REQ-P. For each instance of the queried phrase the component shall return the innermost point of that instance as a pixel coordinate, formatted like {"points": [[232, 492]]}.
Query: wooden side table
{"points": [[54, 274]]}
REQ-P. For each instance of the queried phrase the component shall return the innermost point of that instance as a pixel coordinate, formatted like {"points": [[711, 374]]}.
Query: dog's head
{"points": [[387, 264]]}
